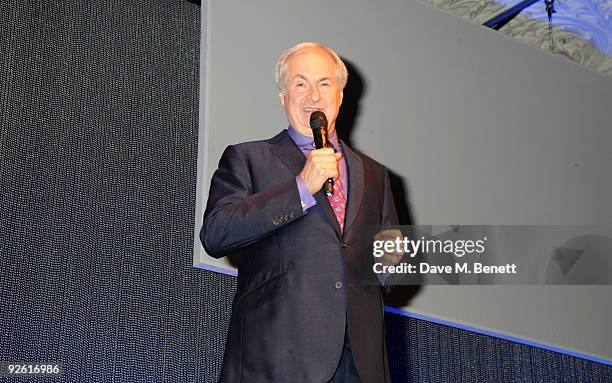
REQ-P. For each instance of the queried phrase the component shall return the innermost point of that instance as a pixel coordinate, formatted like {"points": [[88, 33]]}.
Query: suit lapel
{"points": [[288, 152], [356, 188], [324, 203]]}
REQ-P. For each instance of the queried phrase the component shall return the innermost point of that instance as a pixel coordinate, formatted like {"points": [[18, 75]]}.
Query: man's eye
{"points": [[300, 84], [324, 84]]}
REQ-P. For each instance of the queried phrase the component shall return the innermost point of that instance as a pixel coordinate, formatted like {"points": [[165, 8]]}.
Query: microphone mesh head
{"points": [[318, 120]]}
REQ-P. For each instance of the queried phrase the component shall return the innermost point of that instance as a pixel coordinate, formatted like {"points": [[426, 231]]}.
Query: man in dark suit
{"points": [[308, 307]]}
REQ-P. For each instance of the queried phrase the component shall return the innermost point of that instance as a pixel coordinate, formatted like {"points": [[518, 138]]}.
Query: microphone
{"points": [[318, 124]]}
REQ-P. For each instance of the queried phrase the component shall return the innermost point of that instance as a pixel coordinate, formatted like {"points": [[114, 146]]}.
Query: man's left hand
{"points": [[394, 257]]}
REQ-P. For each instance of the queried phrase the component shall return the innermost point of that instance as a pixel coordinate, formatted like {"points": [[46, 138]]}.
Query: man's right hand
{"points": [[320, 165]]}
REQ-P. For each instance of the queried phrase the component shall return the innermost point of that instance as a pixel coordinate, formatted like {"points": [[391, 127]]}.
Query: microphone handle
{"points": [[328, 187], [320, 139]]}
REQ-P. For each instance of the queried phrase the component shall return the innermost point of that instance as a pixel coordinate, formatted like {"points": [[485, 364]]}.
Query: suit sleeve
{"points": [[235, 217], [389, 212], [388, 218]]}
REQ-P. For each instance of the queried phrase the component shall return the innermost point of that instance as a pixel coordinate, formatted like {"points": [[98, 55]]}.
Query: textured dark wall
{"points": [[421, 351], [98, 147]]}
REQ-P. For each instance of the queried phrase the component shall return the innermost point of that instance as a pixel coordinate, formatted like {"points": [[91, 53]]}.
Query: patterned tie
{"points": [[338, 202]]}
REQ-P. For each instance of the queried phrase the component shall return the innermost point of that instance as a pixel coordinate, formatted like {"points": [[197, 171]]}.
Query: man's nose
{"points": [[315, 95]]}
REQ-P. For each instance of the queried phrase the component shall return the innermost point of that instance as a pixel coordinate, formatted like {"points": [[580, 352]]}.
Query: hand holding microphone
{"points": [[322, 164]]}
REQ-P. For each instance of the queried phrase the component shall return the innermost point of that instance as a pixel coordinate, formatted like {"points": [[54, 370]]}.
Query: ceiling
{"points": [[582, 29]]}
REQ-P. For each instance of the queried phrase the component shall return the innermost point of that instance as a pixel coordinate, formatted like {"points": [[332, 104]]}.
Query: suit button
{"points": [[344, 245], [338, 285], [275, 221]]}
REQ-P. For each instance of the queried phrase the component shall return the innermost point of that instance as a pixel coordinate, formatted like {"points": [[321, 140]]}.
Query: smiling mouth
{"points": [[311, 109]]}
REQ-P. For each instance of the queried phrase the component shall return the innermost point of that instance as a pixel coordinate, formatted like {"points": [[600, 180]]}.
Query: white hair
{"points": [[281, 65]]}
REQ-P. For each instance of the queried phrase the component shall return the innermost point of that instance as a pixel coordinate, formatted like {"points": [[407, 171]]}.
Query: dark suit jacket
{"points": [[299, 278]]}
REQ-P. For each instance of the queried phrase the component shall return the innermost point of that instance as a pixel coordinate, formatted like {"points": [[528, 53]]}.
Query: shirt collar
{"points": [[307, 143]]}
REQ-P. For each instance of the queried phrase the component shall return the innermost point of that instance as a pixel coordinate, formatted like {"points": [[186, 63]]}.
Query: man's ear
{"points": [[281, 97], [341, 96]]}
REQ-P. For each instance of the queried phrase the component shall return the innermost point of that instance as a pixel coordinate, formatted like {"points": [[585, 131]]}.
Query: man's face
{"points": [[311, 83]]}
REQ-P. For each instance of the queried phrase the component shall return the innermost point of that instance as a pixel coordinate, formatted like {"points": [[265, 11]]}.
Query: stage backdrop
{"points": [[479, 128], [98, 147]]}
